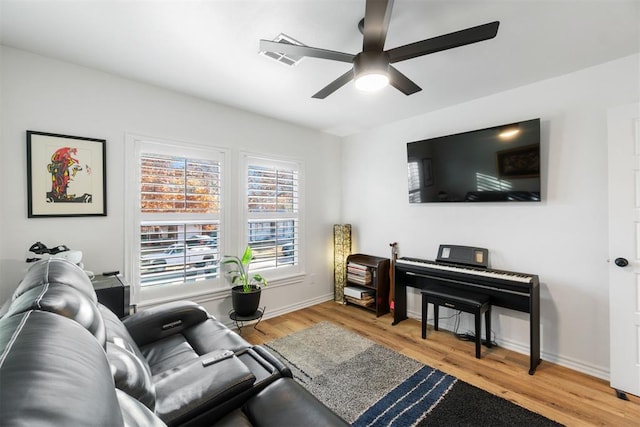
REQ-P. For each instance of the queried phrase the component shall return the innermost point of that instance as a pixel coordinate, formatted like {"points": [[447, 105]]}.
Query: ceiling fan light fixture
{"points": [[371, 71], [372, 82]]}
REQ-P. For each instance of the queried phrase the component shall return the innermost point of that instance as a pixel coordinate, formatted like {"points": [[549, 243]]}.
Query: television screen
{"points": [[497, 164]]}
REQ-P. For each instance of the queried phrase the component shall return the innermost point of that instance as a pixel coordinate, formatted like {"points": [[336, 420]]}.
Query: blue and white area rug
{"points": [[370, 385]]}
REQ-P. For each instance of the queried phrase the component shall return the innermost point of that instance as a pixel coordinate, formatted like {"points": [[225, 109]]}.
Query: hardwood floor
{"points": [[559, 393]]}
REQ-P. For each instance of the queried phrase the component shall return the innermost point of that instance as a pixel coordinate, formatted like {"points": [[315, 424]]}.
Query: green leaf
{"points": [[258, 278], [240, 273], [246, 257]]}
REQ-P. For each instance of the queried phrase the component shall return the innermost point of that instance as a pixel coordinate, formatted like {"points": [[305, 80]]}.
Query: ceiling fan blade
{"points": [[376, 23], [402, 82], [334, 85], [444, 42], [296, 50]]}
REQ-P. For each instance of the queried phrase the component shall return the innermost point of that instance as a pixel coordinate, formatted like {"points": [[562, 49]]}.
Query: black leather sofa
{"points": [[67, 360]]}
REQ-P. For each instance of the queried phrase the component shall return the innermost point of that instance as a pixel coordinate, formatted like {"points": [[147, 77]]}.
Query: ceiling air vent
{"points": [[289, 60]]}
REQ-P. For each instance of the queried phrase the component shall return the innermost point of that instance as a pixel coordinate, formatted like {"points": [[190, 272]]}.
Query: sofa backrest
{"points": [[53, 372], [61, 287], [56, 270], [64, 300]]}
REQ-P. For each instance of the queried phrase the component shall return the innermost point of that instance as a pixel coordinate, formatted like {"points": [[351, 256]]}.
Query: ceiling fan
{"points": [[372, 67]]}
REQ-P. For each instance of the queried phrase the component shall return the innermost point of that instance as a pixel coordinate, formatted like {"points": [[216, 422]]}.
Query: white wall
{"points": [[562, 239], [52, 96]]}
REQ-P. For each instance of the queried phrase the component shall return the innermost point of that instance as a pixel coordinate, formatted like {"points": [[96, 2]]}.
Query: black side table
{"points": [[239, 321], [113, 292]]}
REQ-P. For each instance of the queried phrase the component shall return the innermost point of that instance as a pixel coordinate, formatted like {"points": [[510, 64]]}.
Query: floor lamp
{"points": [[341, 250]]}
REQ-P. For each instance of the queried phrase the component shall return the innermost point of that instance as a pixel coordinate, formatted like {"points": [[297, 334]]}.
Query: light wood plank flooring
{"points": [[564, 395]]}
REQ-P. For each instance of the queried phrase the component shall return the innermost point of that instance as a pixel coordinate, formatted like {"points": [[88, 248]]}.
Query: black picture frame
{"points": [[519, 162], [66, 175]]}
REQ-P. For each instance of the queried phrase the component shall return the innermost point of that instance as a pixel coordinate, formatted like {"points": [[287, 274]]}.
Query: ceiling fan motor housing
{"points": [[370, 63]]}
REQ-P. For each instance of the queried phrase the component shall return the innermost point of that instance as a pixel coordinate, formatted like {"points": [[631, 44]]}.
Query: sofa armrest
{"points": [[281, 367], [285, 401], [155, 323]]}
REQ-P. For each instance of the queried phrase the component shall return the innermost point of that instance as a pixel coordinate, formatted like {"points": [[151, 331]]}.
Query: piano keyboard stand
{"points": [[476, 304]]}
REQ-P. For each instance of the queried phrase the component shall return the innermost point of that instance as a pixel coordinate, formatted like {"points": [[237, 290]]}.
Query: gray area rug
{"points": [[370, 385]]}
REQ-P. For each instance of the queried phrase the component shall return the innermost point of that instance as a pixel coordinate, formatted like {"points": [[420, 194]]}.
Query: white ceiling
{"points": [[209, 49]]}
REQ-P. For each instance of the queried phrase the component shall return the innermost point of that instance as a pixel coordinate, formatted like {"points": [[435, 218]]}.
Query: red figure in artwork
{"points": [[63, 168]]}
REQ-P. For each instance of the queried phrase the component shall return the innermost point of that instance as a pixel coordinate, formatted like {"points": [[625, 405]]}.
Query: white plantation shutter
{"points": [[273, 223], [180, 211], [175, 184]]}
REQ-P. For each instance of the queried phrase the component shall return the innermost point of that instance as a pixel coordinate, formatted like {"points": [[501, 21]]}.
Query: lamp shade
{"points": [[341, 250], [371, 71]]}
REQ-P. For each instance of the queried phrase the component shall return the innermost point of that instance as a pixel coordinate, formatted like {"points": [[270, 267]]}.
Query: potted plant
{"points": [[245, 295]]}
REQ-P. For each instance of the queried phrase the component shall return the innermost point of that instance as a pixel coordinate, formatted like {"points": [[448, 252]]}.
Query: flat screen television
{"points": [[496, 164]]}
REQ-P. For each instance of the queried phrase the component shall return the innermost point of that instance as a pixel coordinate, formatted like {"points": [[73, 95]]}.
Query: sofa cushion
{"points": [[194, 388], [56, 270], [65, 301], [169, 354], [129, 367], [135, 414], [131, 374], [179, 332], [117, 333], [53, 372]]}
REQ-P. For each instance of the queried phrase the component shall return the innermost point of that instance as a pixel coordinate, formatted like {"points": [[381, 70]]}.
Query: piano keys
{"points": [[507, 289]]}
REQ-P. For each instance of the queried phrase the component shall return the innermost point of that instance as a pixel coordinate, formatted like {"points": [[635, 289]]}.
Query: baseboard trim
{"points": [[299, 305], [291, 308], [522, 348]]}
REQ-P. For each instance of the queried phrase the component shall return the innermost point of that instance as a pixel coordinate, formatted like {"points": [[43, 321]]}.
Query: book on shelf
{"points": [[364, 302], [357, 292], [357, 273], [357, 266], [359, 280]]}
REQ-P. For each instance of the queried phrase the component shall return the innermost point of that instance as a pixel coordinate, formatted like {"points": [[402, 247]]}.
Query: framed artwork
{"points": [[519, 162], [66, 175]]}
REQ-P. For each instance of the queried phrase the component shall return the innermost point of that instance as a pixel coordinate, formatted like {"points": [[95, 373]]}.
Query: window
{"points": [[414, 181], [273, 213], [182, 201], [179, 220]]}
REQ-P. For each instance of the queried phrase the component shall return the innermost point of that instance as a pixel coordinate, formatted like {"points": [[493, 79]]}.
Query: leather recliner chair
{"points": [[155, 358]]}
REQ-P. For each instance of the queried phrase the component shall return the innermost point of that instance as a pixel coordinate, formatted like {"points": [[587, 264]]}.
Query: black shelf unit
{"points": [[379, 268]]}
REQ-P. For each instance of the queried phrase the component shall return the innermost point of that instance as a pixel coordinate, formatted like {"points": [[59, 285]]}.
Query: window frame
{"points": [[135, 146], [288, 271]]}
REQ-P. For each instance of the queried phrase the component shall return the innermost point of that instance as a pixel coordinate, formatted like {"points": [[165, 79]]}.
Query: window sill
{"points": [[203, 296]]}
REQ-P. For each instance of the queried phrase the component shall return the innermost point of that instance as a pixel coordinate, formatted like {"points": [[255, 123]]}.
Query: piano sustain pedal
{"points": [[472, 337]]}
